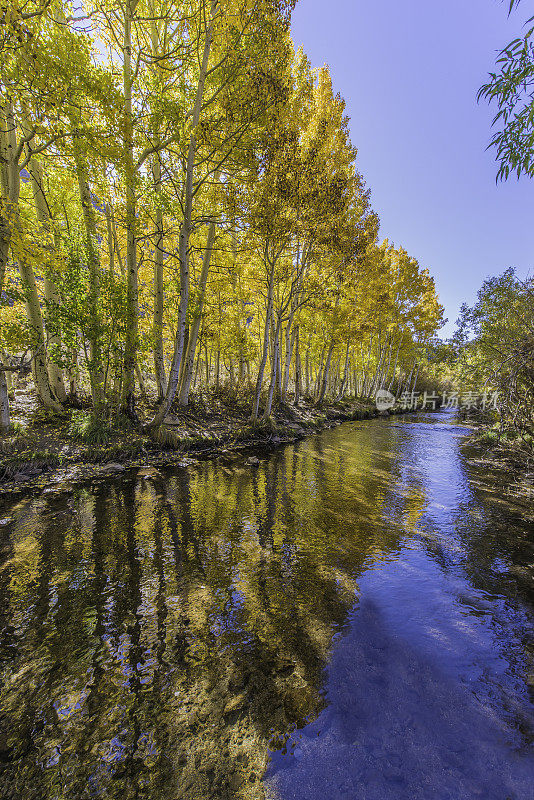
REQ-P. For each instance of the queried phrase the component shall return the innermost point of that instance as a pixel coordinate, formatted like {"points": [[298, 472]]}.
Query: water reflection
{"points": [[429, 693], [163, 638]]}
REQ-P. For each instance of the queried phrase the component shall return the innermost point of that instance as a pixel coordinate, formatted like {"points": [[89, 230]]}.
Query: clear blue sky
{"points": [[409, 71]]}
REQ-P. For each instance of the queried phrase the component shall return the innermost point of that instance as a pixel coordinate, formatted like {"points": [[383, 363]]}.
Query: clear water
{"points": [[349, 620]]}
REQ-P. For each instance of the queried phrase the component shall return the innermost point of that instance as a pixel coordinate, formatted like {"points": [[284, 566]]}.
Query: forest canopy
{"points": [[181, 208]]}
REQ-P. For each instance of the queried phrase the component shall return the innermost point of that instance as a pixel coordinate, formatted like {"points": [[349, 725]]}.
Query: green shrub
{"points": [[85, 428]]}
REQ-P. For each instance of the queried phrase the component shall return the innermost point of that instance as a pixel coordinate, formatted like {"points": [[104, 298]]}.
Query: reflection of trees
{"points": [[162, 634]]}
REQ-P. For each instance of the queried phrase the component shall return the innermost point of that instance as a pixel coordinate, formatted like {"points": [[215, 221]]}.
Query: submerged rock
{"points": [[112, 468], [58, 490], [21, 477], [150, 473]]}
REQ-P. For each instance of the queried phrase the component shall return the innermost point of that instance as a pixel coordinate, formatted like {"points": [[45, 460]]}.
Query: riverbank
{"points": [[51, 457], [506, 465]]}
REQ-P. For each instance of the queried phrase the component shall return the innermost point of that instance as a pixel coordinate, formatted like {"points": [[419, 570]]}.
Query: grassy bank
{"points": [[506, 458]]}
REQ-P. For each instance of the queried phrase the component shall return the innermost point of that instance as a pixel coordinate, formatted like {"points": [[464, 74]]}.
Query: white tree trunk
{"points": [[265, 353], [55, 373], [185, 233], [197, 319], [157, 319], [132, 289]]}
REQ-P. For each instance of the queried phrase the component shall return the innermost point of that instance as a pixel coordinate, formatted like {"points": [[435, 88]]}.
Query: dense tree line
{"points": [[494, 342], [181, 208], [493, 346]]}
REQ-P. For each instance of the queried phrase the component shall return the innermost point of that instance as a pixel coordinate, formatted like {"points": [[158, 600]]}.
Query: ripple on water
{"points": [[350, 615]]}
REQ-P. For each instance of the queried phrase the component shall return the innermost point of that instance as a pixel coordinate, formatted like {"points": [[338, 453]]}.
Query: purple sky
{"points": [[409, 71]]}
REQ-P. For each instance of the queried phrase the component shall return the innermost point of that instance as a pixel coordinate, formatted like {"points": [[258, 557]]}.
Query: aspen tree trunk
{"points": [[412, 388], [116, 240], [240, 328], [140, 381], [275, 371], [298, 367], [326, 373], [55, 373], [366, 368], [242, 365], [182, 365], [289, 337], [278, 382], [111, 246], [380, 356], [35, 319], [5, 224], [408, 382], [385, 373], [208, 365], [95, 367], [289, 341], [9, 374], [265, 353], [197, 369], [285, 387], [320, 372], [5, 420], [132, 290], [157, 316], [307, 366], [394, 369], [10, 175], [289, 345], [197, 319], [218, 353], [345, 372], [4, 246], [185, 233], [157, 319], [360, 376], [378, 370], [72, 375], [334, 378]]}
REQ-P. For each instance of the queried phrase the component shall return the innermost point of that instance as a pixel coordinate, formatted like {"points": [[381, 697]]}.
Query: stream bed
{"points": [[350, 620]]}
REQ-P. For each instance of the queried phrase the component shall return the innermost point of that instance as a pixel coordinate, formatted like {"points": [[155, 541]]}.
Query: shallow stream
{"points": [[351, 620]]}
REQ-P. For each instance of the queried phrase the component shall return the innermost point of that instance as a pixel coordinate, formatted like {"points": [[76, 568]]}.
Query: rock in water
{"points": [[112, 468], [150, 473]]}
